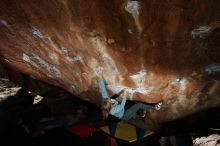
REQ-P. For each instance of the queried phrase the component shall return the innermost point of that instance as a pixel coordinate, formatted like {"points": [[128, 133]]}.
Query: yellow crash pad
{"points": [[126, 131]]}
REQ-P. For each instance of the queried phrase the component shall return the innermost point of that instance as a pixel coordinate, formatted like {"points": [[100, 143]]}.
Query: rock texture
{"points": [[159, 49], [212, 140], [7, 89]]}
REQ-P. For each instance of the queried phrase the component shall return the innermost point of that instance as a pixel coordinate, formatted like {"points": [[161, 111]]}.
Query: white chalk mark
{"points": [[133, 7], [111, 41], [65, 50], [130, 31], [212, 69], [8, 61], [183, 85], [176, 81], [201, 31], [139, 74], [4, 23], [72, 89], [110, 68], [53, 57], [49, 67], [35, 61], [74, 59], [37, 32], [142, 90], [27, 59]]}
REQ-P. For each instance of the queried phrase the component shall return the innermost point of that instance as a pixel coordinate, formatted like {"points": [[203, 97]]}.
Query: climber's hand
{"points": [[100, 72], [125, 91]]}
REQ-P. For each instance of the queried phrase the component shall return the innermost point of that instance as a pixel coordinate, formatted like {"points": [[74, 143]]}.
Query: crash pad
{"points": [[127, 132], [83, 130]]}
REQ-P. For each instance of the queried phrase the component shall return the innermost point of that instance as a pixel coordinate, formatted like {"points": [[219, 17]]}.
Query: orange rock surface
{"points": [[157, 48]]}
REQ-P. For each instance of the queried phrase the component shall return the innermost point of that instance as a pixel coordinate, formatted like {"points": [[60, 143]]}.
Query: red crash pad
{"points": [[83, 130]]}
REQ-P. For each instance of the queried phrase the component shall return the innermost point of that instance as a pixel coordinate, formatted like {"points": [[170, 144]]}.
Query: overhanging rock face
{"points": [[158, 49]]}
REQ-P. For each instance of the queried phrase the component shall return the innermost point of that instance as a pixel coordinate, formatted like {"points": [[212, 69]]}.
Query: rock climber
{"points": [[116, 108]]}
